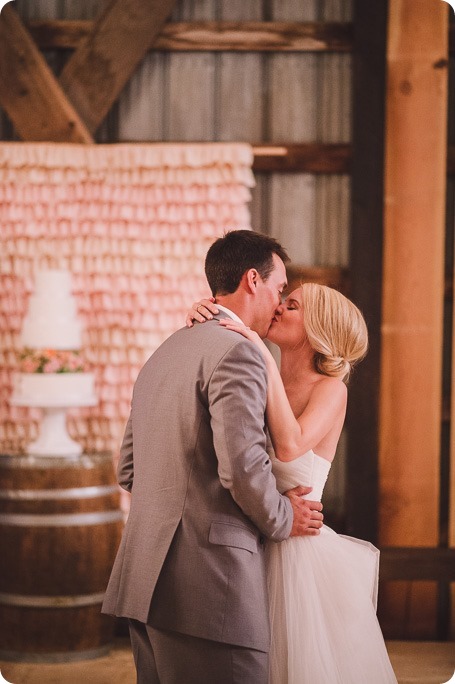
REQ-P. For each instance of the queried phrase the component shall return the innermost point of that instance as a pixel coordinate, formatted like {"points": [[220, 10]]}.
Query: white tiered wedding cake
{"points": [[52, 372]]}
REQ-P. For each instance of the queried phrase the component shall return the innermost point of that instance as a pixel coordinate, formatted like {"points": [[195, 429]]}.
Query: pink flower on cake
{"points": [[29, 365], [50, 361], [52, 366], [73, 363]]}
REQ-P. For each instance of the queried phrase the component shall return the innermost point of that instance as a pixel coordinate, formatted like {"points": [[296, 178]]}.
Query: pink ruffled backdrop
{"points": [[132, 223]]}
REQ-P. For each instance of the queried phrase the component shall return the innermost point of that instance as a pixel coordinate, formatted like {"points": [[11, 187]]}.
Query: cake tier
{"points": [[51, 320], [54, 389]]}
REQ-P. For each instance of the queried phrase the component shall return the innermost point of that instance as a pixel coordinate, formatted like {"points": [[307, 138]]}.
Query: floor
{"points": [[414, 663]]}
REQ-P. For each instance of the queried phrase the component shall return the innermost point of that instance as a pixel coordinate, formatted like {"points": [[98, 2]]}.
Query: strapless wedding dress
{"points": [[322, 594]]}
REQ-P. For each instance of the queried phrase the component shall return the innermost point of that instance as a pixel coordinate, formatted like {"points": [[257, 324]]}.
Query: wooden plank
{"points": [[240, 90], [415, 194], [413, 290], [140, 116], [240, 81], [29, 92], [59, 34], [396, 608], [332, 276], [451, 160], [291, 214], [447, 487], [450, 466], [239, 97], [333, 209], [259, 37], [334, 104], [366, 262], [302, 157], [243, 36], [104, 61], [410, 563], [291, 114], [258, 205], [191, 83]]}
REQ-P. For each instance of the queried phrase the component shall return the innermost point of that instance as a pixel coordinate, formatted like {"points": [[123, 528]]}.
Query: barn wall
{"points": [[250, 97]]}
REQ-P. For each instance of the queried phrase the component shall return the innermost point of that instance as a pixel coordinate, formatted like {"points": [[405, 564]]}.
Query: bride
{"points": [[322, 589]]}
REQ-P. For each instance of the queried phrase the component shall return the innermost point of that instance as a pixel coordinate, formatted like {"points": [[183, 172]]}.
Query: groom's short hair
{"points": [[235, 253]]}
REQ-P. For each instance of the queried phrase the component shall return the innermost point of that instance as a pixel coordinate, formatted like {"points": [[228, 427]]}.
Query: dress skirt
{"points": [[323, 593]]}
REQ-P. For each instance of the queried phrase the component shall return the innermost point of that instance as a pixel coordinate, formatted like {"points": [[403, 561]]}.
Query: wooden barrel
{"points": [[60, 526]]}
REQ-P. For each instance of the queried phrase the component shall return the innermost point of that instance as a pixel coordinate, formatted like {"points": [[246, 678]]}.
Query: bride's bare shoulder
{"points": [[327, 386]]}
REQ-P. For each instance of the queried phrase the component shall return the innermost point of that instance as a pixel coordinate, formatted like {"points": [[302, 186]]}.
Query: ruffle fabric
{"points": [[132, 222]]}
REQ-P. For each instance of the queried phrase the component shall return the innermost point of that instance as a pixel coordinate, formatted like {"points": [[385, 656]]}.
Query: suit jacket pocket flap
{"points": [[233, 535]]}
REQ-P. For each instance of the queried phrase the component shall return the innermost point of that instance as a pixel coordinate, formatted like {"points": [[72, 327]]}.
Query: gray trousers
{"points": [[164, 657]]}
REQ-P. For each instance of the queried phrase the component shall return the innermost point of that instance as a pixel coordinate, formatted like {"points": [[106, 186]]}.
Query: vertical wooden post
{"points": [[451, 495], [370, 29], [413, 290]]}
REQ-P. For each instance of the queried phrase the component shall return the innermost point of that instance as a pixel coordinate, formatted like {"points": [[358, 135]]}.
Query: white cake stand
{"points": [[54, 439]]}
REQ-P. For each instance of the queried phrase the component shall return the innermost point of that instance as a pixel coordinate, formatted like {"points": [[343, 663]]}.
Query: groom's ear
{"points": [[251, 279]]}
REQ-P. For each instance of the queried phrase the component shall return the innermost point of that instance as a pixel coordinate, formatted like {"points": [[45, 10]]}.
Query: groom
{"points": [[189, 573]]}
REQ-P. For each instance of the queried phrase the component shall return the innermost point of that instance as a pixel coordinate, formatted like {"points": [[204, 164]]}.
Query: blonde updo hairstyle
{"points": [[335, 328]]}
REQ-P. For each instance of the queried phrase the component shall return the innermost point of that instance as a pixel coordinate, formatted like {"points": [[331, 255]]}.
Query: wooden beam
{"points": [[250, 36], [410, 563], [450, 466], [415, 195], [451, 160], [432, 568], [59, 34], [29, 92], [366, 273], [413, 291], [104, 61], [302, 158]]}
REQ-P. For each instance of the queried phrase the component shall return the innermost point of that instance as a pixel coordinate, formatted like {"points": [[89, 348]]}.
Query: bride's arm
{"points": [[291, 436]]}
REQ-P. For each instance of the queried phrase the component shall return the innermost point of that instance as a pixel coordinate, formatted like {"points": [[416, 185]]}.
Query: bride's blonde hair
{"points": [[335, 328]]}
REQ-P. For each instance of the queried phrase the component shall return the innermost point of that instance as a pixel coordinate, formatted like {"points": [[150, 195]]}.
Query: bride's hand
{"points": [[201, 311], [245, 331]]}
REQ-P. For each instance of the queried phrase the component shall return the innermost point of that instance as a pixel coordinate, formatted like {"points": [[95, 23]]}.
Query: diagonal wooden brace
{"points": [[29, 92], [103, 62]]}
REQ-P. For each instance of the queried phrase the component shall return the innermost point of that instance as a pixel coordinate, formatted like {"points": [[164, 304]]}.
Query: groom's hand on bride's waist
{"points": [[307, 514]]}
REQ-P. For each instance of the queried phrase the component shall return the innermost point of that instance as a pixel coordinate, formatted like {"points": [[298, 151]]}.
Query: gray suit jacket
{"points": [[203, 494]]}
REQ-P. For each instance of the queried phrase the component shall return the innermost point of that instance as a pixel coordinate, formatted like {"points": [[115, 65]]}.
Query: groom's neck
{"points": [[236, 303]]}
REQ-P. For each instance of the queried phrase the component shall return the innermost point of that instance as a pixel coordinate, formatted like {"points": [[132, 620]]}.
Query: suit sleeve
{"points": [[125, 469], [237, 398]]}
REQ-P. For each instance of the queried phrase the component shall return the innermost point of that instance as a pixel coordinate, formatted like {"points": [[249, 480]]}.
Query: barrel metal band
{"points": [[50, 494], [65, 657], [60, 520], [50, 601]]}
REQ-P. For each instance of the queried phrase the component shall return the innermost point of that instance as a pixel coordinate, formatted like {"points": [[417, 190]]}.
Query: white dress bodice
{"points": [[309, 470]]}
